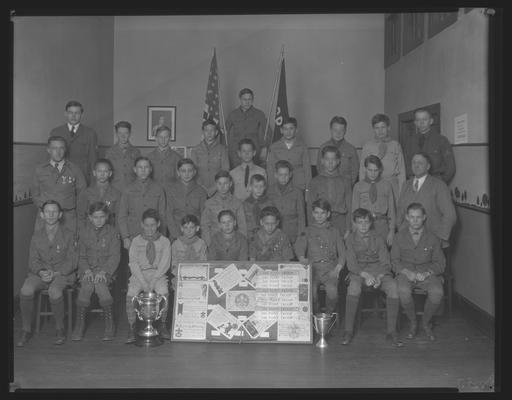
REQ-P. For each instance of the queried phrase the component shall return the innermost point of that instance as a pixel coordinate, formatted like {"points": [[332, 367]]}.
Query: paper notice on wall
{"points": [[461, 129]]}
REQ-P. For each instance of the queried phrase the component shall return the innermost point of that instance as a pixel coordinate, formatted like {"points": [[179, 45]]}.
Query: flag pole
{"points": [[281, 56], [222, 122]]}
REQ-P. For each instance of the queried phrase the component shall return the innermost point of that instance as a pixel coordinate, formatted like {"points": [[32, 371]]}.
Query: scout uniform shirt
{"points": [[213, 206], [349, 163], [122, 160], [99, 249], [135, 199], [92, 194], [234, 249], [60, 255], [277, 247], [240, 190], [183, 199], [289, 200], [245, 124], [138, 257], [392, 162], [321, 244], [209, 159], [368, 253], [297, 155], [187, 250], [164, 164], [425, 256], [64, 186], [252, 210]]}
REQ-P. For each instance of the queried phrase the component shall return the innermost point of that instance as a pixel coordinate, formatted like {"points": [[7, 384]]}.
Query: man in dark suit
{"points": [[82, 141]]}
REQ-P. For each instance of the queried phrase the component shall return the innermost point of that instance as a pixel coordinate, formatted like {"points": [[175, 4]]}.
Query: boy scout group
{"points": [[382, 222]]}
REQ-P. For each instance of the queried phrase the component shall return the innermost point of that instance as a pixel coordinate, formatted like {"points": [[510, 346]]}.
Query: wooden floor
{"points": [[461, 354]]}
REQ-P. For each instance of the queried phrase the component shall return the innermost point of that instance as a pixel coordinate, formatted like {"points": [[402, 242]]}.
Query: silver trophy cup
{"points": [[147, 307], [323, 323]]}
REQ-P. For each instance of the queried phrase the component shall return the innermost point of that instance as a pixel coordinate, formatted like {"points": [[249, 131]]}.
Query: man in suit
{"points": [[82, 141], [429, 141]]}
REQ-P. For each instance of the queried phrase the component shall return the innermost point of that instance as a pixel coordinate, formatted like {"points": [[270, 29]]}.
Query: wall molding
{"points": [[473, 208]]}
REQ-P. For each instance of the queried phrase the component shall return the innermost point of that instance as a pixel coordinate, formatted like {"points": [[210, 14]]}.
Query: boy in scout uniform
{"points": [[99, 255], [150, 259], [222, 200], [325, 251], [163, 158], [293, 150], [210, 156], [270, 243], [418, 261], [100, 190], [255, 203], [289, 200], [60, 180], [52, 264], [376, 195], [122, 155], [334, 188], [369, 264], [184, 197], [242, 173], [227, 243]]}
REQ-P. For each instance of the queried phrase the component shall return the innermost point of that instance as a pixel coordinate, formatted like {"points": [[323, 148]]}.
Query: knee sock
{"points": [[409, 311], [130, 311], [392, 314], [27, 309], [350, 312], [58, 312], [428, 311]]}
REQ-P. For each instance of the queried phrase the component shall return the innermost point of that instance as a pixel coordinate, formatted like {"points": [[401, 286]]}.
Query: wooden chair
{"points": [[43, 307]]}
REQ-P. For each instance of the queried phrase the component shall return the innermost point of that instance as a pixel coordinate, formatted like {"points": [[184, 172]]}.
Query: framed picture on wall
{"points": [[181, 150], [161, 116]]}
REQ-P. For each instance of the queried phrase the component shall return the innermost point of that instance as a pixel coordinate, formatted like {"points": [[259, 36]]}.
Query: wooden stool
{"points": [[43, 307]]}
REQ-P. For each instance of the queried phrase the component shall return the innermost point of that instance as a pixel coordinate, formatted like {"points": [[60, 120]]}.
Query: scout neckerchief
{"points": [[373, 188], [150, 246], [383, 146]]}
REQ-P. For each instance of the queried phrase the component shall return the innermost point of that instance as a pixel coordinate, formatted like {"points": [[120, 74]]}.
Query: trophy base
{"points": [[322, 343], [153, 341]]}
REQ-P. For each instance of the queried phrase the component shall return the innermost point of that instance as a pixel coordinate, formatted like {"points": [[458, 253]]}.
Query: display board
{"points": [[243, 302]]}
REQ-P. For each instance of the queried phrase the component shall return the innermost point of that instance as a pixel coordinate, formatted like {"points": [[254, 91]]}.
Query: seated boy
{"points": [[188, 247], [222, 200], [334, 188], [270, 243], [325, 251], [100, 190], [150, 259], [255, 203], [52, 264], [164, 159], [418, 261], [289, 200], [184, 197], [242, 173], [100, 252], [227, 243], [368, 263]]}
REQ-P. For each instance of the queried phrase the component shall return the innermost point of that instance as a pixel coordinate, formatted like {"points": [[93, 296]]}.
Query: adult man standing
{"points": [[82, 141], [429, 140], [349, 164], [244, 122]]}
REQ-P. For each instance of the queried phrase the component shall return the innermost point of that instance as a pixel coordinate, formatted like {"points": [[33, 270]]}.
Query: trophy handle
{"points": [[135, 299], [166, 302], [333, 321]]}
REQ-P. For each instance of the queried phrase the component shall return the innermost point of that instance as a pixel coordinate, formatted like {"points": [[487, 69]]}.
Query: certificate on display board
{"points": [[243, 302]]}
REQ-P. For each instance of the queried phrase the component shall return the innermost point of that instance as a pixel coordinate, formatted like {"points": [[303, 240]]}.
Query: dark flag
{"points": [[281, 105], [212, 99]]}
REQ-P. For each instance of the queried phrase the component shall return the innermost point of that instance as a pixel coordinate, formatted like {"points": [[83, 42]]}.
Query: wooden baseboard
{"points": [[484, 321]]}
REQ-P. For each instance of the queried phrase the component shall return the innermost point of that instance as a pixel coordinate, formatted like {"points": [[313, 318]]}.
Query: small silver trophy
{"points": [[323, 323], [147, 307]]}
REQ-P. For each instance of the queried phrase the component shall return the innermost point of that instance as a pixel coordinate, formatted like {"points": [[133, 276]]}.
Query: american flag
{"points": [[212, 99]]}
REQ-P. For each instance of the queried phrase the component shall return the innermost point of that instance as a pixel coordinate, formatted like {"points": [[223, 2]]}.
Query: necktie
{"points": [[373, 189], [421, 140], [150, 247], [72, 130], [416, 237], [416, 185], [246, 179]]}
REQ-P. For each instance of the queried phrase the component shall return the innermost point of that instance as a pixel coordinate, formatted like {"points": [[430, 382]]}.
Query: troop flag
{"points": [[281, 104], [212, 106]]}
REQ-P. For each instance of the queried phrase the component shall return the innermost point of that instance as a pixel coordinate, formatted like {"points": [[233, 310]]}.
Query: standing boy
{"points": [[253, 205], [185, 196], [242, 173], [227, 243], [293, 150], [369, 264], [334, 188], [150, 259], [222, 200], [52, 264], [289, 200], [163, 158]]}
